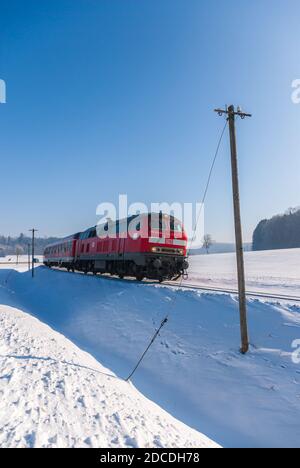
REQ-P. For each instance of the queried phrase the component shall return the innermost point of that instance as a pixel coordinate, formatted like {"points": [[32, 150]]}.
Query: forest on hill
{"points": [[279, 232], [19, 245]]}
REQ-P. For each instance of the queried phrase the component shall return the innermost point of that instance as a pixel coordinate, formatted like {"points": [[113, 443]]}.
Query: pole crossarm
{"points": [[231, 111]]}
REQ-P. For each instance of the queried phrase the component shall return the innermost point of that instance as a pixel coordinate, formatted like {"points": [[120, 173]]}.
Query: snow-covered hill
{"points": [[194, 370], [55, 395]]}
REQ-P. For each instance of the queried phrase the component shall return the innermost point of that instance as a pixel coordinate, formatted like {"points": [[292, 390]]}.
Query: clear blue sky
{"points": [[107, 97]]}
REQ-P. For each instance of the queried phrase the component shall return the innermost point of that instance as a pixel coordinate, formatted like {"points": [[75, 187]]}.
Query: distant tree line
{"points": [[279, 232], [19, 245]]}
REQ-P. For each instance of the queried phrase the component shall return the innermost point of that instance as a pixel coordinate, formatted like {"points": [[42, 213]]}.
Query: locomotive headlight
{"points": [[154, 249]]}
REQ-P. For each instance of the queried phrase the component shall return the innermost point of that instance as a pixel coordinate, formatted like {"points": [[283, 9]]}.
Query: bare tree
{"points": [[207, 242], [19, 251]]}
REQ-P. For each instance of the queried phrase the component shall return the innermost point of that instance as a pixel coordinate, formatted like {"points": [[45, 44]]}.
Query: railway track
{"points": [[257, 294], [260, 294], [14, 263]]}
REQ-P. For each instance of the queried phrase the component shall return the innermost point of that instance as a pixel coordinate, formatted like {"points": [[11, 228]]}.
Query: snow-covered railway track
{"points": [[184, 285], [260, 294]]}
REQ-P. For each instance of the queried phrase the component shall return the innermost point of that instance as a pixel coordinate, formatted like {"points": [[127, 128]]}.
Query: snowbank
{"points": [[194, 370], [55, 395]]}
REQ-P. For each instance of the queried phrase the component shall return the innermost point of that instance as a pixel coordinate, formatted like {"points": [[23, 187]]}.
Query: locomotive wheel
{"points": [[139, 277]]}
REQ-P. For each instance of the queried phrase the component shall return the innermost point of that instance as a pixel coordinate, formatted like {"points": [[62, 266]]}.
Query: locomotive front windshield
{"points": [[164, 223]]}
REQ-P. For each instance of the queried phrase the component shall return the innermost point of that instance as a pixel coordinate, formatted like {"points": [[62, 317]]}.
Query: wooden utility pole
{"points": [[32, 251], [231, 115], [28, 252]]}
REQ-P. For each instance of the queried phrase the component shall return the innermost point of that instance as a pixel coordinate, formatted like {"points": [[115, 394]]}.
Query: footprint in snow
{"points": [[130, 442], [30, 439], [88, 441], [53, 440], [81, 401], [6, 377]]}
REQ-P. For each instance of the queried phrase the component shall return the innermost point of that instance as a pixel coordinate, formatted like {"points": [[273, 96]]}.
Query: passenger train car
{"points": [[143, 246]]}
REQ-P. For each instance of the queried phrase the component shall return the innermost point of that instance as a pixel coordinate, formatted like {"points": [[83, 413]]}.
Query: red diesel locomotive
{"points": [[142, 246]]}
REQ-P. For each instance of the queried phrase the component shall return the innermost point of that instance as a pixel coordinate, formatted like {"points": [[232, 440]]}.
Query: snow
{"points": [[194, 370], [274, 271], [55, 395], [20, 264]]}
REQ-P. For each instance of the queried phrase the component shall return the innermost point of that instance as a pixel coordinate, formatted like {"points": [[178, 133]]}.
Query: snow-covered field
{"points": [[20, 264], [275, 272], [56, 395], [194, 370]]}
